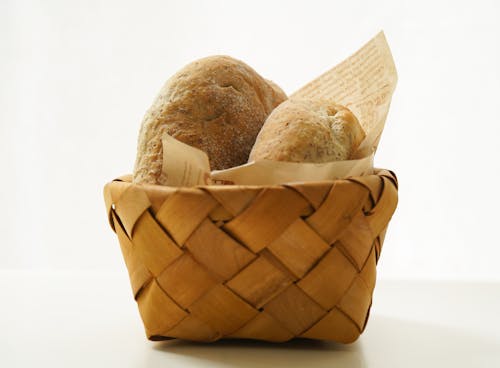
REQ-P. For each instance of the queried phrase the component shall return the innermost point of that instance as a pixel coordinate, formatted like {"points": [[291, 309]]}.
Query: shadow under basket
{"points": [[259, 262]]}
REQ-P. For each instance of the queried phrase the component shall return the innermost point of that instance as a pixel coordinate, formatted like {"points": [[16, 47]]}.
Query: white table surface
{"points": [[89, 319]]}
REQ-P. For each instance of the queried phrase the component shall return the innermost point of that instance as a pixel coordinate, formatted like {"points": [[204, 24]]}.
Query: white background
{"points": [[76, 78]]}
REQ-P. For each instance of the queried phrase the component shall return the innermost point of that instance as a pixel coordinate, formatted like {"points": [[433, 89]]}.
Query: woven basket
{"points": [[259, 262]]}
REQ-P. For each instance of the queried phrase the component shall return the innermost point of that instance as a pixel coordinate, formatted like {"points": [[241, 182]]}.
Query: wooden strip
{"points": [[157, 195], [185, 280], [357, 240], [380, 240], [329, 280], [112, 192], [267, 215], [315, 192], [335, 326], [233, 198], [369, 271], [139, 275], [130, 206], [217, 251], [156, 248], [356, 302], [380, 215], [271, 258], [373, 183], [193, 329], [389, 175], [344, 201], [298, 247], [294, 310], [259, 282], [263, 327], [223, 310], [158, 312], [219, 213], [183, 211]]}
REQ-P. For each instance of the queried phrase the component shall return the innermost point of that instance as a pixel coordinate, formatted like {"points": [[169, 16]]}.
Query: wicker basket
{"points": [[259, 262]]}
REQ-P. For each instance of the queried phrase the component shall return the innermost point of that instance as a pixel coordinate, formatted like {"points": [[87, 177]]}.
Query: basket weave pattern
{"points": [[260, 262]]}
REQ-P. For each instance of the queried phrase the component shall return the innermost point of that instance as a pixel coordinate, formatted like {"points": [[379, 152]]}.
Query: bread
{"points": [[308, 131], [217, 104]]}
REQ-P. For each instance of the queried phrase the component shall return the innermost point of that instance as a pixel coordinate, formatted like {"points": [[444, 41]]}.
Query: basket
{"points": [[256, 262]]}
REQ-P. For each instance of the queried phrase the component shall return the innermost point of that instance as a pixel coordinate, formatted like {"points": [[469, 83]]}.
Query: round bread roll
{"points": [[308, 131], [217, 104]]}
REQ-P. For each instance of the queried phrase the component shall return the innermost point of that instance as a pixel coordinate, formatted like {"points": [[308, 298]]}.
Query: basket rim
{"points": [[114, 189], [127, 179]]}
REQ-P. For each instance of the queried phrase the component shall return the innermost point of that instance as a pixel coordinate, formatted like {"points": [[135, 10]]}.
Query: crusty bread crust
{"points": [[308, 131], [217, 104]]}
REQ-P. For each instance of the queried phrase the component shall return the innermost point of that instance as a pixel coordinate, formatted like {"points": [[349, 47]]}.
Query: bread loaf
{"points": [[217, 104], [308, 131]]}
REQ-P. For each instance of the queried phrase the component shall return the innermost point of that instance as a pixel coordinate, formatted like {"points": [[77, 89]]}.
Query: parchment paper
{"points": [[364, 83]]}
